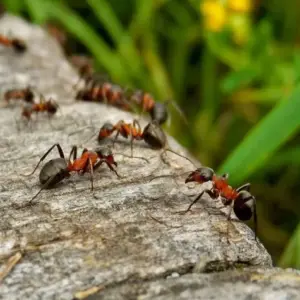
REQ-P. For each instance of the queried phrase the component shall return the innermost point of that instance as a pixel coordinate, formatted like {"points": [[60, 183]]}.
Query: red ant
{"points": [[49, 106], [84, 65], [104, 92], [17, 44], [56, 170], [152, 134], [240, 199], [157, 110], [21, 94]]}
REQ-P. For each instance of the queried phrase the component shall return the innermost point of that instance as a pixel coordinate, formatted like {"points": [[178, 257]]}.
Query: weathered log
{"points": [[125, 239]]}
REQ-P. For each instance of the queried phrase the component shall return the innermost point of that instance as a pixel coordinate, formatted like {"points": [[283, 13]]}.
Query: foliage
{"points": [[233, 66]]}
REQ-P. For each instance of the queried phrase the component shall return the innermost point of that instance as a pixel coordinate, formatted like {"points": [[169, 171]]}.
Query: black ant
{"points": [[17, 44], [240, 200], [56, 170], [26, 95], [152, 134]]}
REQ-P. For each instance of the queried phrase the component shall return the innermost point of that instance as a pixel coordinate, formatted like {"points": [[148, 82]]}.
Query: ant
{"points": [[17, 44], [158, 111], [152, 134], [57, 169], [104, 92], [240, 199], [84, 65], [25, 94], [49, 106]]}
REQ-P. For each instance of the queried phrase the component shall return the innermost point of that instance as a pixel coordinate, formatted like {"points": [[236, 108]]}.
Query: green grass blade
{"points": [[13, 6], [291, 254], [286, 157], [108, 18], [88, 36], [37, 10], [272, 131], [237, 79]]}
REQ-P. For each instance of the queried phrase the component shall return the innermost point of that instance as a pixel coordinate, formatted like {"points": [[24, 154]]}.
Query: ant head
{"points": [[29, 95], [105, 131], [159, 112], [106, 153], [54, 170], [19, 45], [201, 175], [154, 135], [52, 107], [244, 205]]}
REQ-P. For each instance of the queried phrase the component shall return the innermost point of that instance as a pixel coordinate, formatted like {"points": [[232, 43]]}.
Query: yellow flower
{"points": [[215, 15], [241, 27], [241, 6]]}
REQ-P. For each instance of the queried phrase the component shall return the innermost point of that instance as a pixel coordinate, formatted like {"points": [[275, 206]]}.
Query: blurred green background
{"points": [[233, 66]]}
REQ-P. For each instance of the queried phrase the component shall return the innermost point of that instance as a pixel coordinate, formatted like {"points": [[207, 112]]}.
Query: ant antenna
{"points": [[179, 110], [180, 155], [170, 175]]}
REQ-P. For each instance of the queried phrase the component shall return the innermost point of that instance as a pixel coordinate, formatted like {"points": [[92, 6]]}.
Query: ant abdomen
{"points": [[154, 136], [244, 205], [159, 112], [56, 169]]}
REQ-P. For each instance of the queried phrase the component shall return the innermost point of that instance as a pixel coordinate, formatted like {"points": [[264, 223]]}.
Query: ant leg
{"points": [[112, 169], [137, 127], [92, 174], [195, 201], [101, 161], [44, 186], [244, 187], [131, 145], [118, 127], [60, 151], [74, 153]]}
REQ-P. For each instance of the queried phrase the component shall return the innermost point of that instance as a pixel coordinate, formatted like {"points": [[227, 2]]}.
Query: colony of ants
{"points": [[98, 89], [240, 200]]}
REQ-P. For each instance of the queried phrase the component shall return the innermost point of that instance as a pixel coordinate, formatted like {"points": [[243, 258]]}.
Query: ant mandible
{"points": [[57, 169], [240, 200], [17, 44], [152, 134], [25, 94]]}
